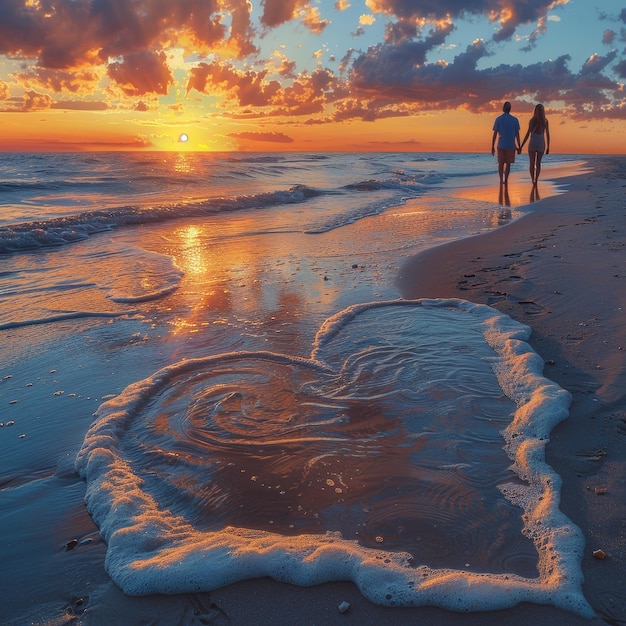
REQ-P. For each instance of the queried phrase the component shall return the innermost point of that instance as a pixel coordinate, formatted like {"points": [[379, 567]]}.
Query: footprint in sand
{"points": [[494, 297], [511, 279], [531, 308]]}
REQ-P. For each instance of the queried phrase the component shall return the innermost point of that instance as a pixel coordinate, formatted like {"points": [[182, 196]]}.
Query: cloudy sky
{"points": [[423, 75]]}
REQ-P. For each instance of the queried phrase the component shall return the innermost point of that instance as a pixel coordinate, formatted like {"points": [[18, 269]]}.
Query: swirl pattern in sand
{"points": [[385, 458]]}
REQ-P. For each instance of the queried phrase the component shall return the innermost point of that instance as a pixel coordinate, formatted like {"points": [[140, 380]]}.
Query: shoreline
{"points": [[560, 270], [557, 269]]}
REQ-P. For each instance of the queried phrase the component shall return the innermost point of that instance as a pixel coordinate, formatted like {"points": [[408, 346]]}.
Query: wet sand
{"points": [[561, 270]]}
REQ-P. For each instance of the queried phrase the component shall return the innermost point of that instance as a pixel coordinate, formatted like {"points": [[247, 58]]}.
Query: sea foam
{"points": [[164, 459]]}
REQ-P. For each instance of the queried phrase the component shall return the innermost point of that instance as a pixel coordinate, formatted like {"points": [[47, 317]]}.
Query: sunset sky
{"points": [[409, 75]]}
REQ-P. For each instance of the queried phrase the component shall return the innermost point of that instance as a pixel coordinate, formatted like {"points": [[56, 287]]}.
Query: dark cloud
{"points": [[431, 9], [368, 111], [141, 73], [391, 64], [596, 63], [261, 136], [608, 37], [398, 32], [400, 72], [78, 81], [509, 13], [287, 68], [396, 79], [80, 105], [277, 12], [620, 69], [89, 33], [462, 84]]}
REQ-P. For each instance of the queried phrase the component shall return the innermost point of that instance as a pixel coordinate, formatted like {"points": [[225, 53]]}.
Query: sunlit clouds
{"points": [[300, 73]]}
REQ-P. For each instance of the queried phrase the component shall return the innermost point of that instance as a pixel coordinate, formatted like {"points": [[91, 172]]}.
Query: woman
{"points": [[539, 132]]}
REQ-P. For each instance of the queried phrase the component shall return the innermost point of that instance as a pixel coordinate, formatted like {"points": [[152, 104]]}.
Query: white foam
{"points": [[153, 550], [146, 276]]}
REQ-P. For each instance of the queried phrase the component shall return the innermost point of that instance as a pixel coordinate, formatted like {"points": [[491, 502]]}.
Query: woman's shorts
{"points": [[536, 143]]}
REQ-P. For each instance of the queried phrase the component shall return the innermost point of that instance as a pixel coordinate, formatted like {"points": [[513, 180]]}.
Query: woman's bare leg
{"points": [[531, 159], [538, 166]]}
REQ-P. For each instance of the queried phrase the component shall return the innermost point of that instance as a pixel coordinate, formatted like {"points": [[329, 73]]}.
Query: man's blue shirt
{"points": [[507, 126]]}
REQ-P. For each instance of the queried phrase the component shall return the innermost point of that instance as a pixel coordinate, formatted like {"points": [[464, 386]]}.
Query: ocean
{"points": [[211, 351]]}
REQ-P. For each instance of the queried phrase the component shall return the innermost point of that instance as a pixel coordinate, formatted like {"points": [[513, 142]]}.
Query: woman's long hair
{"points": [[538, 121]]}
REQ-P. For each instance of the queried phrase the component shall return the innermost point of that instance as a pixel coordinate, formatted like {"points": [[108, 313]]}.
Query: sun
{"points": [[183, 138]]}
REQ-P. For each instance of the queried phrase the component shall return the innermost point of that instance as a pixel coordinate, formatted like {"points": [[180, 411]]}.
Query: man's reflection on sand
{"points": [[503, 196]]}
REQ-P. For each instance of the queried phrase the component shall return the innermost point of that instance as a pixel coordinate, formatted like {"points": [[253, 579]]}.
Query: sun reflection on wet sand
{"points": [[276, 285], [193, 256]]}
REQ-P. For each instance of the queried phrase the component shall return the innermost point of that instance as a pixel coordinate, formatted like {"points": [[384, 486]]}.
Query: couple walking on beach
{"points": [[507, 128]]}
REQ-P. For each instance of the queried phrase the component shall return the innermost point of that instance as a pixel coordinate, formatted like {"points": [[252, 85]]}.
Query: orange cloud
{"points": [[33, 101], [80, 81], [311, 19], [247, 87]]}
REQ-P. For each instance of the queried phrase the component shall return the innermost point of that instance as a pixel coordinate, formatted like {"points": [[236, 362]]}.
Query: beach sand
{"points": [[561, 270]]}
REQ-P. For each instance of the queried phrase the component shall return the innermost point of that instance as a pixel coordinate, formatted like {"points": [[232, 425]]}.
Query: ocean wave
{"points": [[399, 180], [392, 198], [16, 186], [262, 158], [61, 317], [253, 464], [51, 186], [60, 231]]}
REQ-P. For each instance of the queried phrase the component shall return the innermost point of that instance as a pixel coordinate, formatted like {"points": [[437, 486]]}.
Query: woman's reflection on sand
{"points": [[534, 194], [504, 198]]}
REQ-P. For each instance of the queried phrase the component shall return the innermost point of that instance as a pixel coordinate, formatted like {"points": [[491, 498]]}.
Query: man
{"points": [[507, 128]]}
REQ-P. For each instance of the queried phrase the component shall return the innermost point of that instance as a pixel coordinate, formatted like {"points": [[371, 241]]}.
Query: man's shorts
{"points": [[506, 156]]}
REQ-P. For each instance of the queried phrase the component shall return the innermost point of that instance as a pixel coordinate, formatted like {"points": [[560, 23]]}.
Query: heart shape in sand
{"points": [[384, 458]]}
